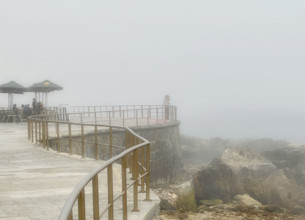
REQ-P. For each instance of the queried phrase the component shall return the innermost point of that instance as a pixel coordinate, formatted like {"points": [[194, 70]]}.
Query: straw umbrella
{"points": [[11, 88], [42, 90]]}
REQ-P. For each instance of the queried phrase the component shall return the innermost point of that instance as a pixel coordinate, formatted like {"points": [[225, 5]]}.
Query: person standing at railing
{"points": [[16, 112], [166, 106], [26, 111]]}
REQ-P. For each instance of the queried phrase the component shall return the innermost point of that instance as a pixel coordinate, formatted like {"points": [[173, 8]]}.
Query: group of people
{"points": [[26, 111], [37, 107]]}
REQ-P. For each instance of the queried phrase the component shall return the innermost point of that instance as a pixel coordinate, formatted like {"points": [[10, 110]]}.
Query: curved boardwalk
{"points": [[35, 183]]}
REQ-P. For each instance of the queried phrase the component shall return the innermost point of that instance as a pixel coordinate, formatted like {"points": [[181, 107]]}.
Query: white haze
{"points": [[235, 69]]}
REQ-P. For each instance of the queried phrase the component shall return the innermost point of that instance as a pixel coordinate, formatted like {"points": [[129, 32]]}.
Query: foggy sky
{"points": [[235, 69]]}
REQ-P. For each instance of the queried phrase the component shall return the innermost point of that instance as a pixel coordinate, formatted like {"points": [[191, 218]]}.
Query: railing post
{"points": [[70, 139], [29, 131], [147, 116], [70, 216], [94, 109], [95, 196], [83, 141], [110, 192], [141, 111], [81, 206], [134, 111], [137, 117], [32, 130], [148, 173], [36, 131], [124, 188], [127, 141], [162, 113], [47, 133], [39, 128], [58, 139], [110, 142], [96, 142], [44, 134], [170, 114], [131, 158], [109, 116], [142, 156], [135, 185], [149, 110], [123, 118]]}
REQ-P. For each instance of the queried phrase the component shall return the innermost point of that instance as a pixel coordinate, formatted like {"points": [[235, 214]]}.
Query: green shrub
{"points": [[186, 202]]}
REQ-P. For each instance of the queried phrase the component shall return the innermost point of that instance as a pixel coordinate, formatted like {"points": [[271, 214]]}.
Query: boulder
{"points": [[166, 206], [245, 199], [241, 171]]}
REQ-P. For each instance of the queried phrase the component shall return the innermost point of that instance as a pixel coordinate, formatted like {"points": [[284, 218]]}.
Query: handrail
{"points": [[136, 156], [77, 190], [119, 115]]}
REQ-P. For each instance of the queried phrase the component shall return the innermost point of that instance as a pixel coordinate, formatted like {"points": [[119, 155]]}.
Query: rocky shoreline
{"points": [[240, 184], [242, 207]]}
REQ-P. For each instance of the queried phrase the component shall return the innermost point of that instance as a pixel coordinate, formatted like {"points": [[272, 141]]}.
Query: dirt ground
{"points": [[226, 216]]}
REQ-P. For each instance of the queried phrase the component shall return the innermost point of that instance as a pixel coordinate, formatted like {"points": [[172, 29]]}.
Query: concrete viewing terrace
{"points": [[35, 182]]}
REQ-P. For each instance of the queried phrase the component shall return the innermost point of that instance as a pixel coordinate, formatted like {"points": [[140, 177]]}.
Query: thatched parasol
{"points": [[11, 88]]}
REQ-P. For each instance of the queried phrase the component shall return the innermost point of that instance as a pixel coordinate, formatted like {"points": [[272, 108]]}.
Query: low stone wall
{"points": [[166, 160]]}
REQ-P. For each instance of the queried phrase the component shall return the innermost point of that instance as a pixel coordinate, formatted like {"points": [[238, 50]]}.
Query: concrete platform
{"points": [[35, 183]]}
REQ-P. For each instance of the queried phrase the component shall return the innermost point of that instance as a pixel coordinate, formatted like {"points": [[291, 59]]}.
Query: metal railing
{"points": [[154, 114], [87, 130]]}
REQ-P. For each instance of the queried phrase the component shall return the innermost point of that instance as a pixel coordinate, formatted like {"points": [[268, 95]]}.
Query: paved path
{"points": [[35, 183]]}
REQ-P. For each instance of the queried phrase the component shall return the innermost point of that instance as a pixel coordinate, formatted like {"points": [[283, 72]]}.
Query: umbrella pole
{"points": [[10, 101], [43, 99], [46, 100]]}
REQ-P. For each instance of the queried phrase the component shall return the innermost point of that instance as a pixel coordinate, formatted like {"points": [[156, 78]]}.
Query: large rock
{"points": [[245, 199], [241, 171], [291, 160]]}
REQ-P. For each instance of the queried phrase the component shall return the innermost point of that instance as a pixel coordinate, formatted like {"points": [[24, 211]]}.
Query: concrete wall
{"points": [[166, 159]]}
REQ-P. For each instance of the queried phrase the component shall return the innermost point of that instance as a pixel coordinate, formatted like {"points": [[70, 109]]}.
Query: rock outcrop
{"points": [[275, 177]]}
